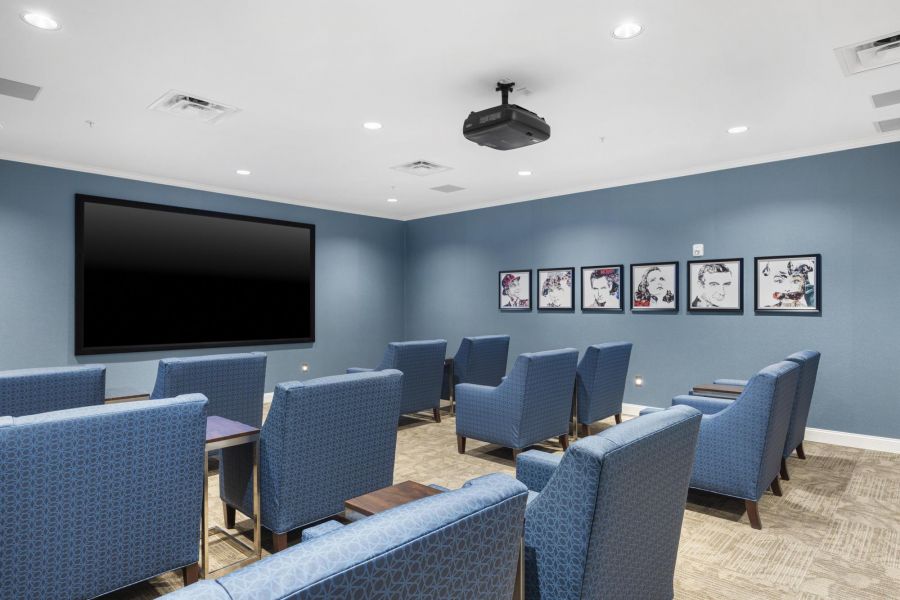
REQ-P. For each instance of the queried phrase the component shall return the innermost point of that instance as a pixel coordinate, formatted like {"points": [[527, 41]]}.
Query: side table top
{"points": [[220, 428], [717, 388], [389, 497]]}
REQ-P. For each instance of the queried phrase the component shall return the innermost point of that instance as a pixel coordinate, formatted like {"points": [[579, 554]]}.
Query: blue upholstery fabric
{"points": [[740, 447], [233, 383], [535, 468], [311, 533], [460, 544], [205, 589], [101, 497], [306, 470], [607, 523], [480, 360], [806, 384], [601, 381], [33, 391], [533, 403], [422, 365], [706, 405]]}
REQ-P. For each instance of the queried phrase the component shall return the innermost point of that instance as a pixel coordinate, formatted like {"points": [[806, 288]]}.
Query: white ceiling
{"points": [[308, 74]]}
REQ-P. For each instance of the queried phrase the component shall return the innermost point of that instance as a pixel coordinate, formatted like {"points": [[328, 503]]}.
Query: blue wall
{"points": [[844, 205], [359, 277]]}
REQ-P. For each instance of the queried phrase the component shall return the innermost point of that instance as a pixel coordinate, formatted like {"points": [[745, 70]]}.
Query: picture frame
{"points": [[514, 291], [555, 289], [654, 287], [715, 286], [788, 284], [602, 287]]}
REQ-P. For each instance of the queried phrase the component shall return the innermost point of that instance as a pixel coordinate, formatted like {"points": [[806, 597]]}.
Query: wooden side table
{"points": [[717, 390], [225, 433]]}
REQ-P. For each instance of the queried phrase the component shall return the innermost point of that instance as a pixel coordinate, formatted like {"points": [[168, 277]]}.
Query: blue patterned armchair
{"points": [[460, 544], [604, 519], [741, 440], [101, 497], [600, 383], [34, 391], [533, 403], [422, 365], [234, 383], [305, 471], [480, 360], [806, 384]]}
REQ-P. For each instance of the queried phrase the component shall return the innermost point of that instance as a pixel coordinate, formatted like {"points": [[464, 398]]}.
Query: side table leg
{"points": [[257, 507], [204, 532], [519, 589]]}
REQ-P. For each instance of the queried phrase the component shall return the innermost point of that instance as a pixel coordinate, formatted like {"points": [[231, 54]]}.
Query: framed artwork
{"points": [[788, 284], [601, 288], [515, 290], [654, 287], [716, 285], [556, 289]]}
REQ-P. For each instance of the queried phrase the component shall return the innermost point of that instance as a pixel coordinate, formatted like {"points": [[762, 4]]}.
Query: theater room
{"points": [[400, 300]]}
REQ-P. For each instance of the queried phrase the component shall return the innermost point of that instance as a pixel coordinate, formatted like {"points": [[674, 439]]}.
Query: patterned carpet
{"points": [[835, 533]]}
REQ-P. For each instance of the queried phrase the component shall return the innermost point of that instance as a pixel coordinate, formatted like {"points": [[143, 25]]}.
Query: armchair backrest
{"points": [[422, 365], [307, 470], [76, 482], [542, 383], [609, 519], [233, 383], [602, 372], [33, 391], [481, 360], [809, 368]]}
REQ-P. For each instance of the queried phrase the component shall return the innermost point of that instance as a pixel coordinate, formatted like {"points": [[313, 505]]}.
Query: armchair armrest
{"points": [[708, 406], [319, 530], [535, 468], [649, 409], [737, 382], [358, 370]]}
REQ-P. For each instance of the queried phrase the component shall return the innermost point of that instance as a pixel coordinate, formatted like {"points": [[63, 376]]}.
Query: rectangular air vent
{"points": [[17, 89], [888, 125], [886, 99], [192, 107], [421, 168], [448, 189], [877, 52]]}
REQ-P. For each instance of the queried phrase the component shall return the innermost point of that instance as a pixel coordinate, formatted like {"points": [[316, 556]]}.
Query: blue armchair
{"points": [[533, 403], [234, 383], [34, 391], [604, 519], [422, 365], [741, 441], [306, 472], [460, 544], [101, 497], [480, 360], [600, 383]]}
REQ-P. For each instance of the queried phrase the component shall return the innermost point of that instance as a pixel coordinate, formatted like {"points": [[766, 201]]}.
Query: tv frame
{"points": [[80, 350]]}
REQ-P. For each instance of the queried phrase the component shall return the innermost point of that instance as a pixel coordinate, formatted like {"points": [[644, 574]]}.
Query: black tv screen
{"points": [[153, 277]]}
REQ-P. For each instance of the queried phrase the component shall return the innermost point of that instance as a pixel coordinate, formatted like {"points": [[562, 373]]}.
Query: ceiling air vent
{"points": [[877, 52], [888, 125], [448, 189], [17, 89], [421, 168], [886, 99], [192, 107]]}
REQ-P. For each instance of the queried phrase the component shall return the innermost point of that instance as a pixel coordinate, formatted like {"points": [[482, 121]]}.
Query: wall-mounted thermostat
{"points": [[698, 249]]}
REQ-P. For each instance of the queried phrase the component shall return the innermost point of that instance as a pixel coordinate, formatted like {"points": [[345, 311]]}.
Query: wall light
{"points": [[638, 381], [304, 368]]}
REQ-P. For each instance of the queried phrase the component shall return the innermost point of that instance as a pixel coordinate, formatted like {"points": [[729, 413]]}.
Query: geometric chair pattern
{"points": [[34, 391], [480, 360]]}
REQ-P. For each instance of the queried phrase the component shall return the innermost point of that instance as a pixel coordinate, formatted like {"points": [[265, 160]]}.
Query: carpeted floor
{"points": [[835, 533]]}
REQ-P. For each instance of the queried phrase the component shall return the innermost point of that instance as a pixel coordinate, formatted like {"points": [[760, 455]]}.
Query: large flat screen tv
{"points": [[153, 277]]}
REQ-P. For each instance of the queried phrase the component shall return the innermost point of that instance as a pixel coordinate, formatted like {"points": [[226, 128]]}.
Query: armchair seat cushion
{"points": [[706, 405], [535, 468]]}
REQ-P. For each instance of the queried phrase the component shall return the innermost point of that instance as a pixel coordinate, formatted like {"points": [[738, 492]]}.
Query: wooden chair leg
{"points": [[776, 486], [753, 514], [190, 573], [800, 453], [784, 472], [279, 541], [229, 515], [437, 414], [618, 418], [585, 430], [516, 452], [564, 441], [460, 444]]}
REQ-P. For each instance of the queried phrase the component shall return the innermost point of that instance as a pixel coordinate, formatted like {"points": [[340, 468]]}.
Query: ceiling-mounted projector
{"points": [[505, 127]]}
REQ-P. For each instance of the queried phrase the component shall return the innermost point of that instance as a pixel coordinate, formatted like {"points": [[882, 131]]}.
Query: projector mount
{"points": [[505, 89]]}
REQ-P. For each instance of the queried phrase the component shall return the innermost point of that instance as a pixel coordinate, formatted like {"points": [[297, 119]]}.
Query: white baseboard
{"points": [[824, 436], [267, 397]]}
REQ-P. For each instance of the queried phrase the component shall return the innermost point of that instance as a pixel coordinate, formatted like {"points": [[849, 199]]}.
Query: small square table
{"points": [[717, 390]]}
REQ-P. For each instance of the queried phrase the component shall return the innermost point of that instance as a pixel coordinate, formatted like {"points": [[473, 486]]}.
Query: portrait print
{"points": [[654, 287], [515, 290], [788, 284], [601, 288], [716, 285], [556, 289]]}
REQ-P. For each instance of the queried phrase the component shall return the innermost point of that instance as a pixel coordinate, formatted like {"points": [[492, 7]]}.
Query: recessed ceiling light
{"points": [[392, 200], [738, 129], [372, 125], [524, 173], [242, 172], [41, 21], [628, 30]]}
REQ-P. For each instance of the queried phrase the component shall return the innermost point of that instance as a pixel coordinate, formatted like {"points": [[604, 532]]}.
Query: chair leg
{"points": [[776, 486], [437, 414], [618, 418], [191, 573], [800, 453], [279, 541], [460, 444], [516, 452], [229, 515], [564, 441], [753, 514], [784, 472], [585, 430]]}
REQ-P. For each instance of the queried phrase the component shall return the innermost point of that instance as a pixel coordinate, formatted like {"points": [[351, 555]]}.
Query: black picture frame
{"points": [[782, 310], [692, 295], [674, 291], [500, 290], [539, 291], [620, 284]]}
